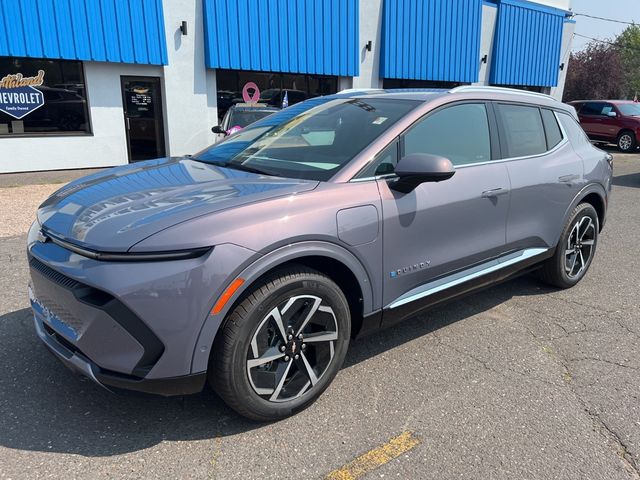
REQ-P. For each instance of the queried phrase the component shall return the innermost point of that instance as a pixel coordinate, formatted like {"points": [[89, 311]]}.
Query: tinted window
{"points": [[554, 135], [523, 130], [384, 163], [459, 133], [313, 144], [593, 108]]}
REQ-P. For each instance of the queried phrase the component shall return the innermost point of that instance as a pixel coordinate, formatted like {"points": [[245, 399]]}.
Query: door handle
{"points": [[494, 192], [127, 122], [568, 178]]}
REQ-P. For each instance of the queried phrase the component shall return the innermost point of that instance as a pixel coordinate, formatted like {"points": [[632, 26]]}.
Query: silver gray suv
{"points": [[253, 263]]}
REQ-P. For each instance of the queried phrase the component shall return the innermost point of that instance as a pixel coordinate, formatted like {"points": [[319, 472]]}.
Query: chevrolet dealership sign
{"points": [[18, 95]]}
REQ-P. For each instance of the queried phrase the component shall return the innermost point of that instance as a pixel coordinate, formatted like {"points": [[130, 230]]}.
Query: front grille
{"points": [[53, 275]]}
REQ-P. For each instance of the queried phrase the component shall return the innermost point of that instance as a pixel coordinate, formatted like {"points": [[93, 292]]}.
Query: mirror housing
{"points": [[417, 168], [218, 129], [612, 114]]}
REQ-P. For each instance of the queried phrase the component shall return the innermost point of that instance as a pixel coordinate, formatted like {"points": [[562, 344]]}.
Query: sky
{"points": [[625, 10]]}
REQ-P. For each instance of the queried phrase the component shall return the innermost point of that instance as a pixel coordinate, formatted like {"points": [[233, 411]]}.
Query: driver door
{"points": [[441, 228]]}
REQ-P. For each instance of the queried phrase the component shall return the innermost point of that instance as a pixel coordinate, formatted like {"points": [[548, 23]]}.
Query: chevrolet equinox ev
{"points": [[252, 264]]}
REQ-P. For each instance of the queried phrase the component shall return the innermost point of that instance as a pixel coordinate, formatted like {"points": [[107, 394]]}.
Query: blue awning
{"points": [[527, 44], [436, 40], [127, 31], [291, 36]]}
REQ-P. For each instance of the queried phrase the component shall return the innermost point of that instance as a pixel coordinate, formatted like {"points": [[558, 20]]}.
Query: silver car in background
{"points": [[254, 263]]}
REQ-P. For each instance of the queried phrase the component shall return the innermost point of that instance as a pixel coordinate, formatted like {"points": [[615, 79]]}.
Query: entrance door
{"points": [[143, 117]]}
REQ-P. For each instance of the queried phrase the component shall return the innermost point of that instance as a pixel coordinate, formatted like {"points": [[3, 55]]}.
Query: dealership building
{"points": [[97, 83]]}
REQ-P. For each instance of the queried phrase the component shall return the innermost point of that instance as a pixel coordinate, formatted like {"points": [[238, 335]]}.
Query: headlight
{"points": [[130, 257], [34, 233]]}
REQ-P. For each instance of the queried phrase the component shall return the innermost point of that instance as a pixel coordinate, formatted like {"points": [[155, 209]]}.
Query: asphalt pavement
{"points": [[519, 381]]}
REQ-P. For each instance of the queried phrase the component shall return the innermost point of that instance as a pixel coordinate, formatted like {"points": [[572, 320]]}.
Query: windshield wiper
{"points": [[241, 167]]}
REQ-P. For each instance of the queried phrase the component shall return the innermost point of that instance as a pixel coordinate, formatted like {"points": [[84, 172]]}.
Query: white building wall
{"points": [[370, 29], [565, 52], [108, 144], [190, 95], [487, 36]]}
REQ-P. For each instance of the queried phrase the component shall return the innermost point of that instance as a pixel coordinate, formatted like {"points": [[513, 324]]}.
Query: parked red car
{"points": [[611, 121]]}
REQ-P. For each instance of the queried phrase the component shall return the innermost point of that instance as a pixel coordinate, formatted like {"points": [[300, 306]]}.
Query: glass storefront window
{"points": [[273, 86], [42, 97], [392, 83]]}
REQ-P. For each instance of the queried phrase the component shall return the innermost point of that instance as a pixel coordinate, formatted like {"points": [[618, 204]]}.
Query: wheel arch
{"points": [[330, 259], [596, 196]]}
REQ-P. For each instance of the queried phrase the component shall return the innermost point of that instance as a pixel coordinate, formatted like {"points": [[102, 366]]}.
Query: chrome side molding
{"points": [[463, 276]]}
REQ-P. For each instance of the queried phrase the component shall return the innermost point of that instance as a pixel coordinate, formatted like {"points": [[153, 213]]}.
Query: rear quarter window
{"points": [[551, 128], [573, 129]]}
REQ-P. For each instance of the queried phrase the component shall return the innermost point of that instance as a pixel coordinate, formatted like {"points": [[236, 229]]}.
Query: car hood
{"points": [[113, 210]]}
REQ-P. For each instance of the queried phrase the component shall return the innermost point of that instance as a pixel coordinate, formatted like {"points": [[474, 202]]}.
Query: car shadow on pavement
{"points": [[630, 180], [44, 407]]}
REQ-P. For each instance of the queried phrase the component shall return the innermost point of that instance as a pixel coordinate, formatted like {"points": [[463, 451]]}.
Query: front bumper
{"points": [[128, 325], [80, 364]]}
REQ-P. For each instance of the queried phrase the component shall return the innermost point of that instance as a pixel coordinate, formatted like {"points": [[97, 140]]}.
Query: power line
{"points": [[618, 45], [603, 18]]}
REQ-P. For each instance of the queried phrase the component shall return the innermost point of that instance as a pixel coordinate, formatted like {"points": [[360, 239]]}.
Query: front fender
{"points": [[258, 267]]}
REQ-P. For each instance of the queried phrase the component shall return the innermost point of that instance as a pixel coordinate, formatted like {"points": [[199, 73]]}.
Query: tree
{"points": [[629, 42], [595, 73]]}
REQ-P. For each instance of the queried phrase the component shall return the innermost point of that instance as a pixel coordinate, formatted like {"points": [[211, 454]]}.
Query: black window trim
{"points": [[502, 131], [61, 134]]}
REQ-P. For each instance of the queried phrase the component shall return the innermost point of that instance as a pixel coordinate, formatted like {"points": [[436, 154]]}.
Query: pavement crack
{"points": [[596, 359]]}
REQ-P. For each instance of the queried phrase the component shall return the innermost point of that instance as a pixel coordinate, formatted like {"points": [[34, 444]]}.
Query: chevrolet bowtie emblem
{"points": [[293, 347]]}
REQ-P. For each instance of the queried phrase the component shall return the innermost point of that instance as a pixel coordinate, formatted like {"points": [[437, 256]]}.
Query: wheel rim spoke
{"points": [[283, 378], [309, 371], [269, 356], [312, 311], [321, 337]]}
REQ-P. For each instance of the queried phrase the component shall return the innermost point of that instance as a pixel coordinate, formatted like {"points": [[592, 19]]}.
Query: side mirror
{"points": [[612, 114], [417, 168], [218, 129]]}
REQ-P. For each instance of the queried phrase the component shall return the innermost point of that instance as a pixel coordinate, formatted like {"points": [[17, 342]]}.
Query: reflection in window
{"points": [[524, 130], [459, 133], [63, 90]]}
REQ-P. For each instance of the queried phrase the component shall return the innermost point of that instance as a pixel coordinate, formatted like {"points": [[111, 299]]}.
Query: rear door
{"points": [[545, 173]]}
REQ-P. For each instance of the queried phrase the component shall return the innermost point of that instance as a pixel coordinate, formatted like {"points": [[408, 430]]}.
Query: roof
{"points": [[615, 102]]}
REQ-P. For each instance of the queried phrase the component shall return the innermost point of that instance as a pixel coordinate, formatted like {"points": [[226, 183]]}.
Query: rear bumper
{"points": [[78, 363]]}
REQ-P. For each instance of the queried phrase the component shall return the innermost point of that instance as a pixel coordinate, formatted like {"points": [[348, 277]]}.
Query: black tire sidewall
{"points": [[578, 214], [269, 298]]}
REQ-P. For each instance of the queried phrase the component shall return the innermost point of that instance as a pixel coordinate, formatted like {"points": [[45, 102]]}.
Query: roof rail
{"points": [[481, 88], [358, 90]]}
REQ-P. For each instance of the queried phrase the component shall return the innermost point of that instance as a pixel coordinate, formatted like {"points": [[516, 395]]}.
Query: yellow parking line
{"points": [[375, 458]]}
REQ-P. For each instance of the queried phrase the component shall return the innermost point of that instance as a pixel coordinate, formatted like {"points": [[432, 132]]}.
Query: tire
{"points": [[251, 333], [566, 269], [627, 142]]}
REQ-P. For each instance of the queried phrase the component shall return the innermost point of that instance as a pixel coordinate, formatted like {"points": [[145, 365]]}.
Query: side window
{"points": [[554, 135], [459, 133], [523, 130], [606, 109], [592, 108], [384, 163]]}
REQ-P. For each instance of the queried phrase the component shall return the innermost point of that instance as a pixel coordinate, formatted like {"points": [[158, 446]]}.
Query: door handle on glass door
{"points": [[494, 192]]}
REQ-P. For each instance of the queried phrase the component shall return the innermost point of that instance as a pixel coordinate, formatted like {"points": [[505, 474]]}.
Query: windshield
{"points": [[312, 145], [630, 109], [244, 118]]}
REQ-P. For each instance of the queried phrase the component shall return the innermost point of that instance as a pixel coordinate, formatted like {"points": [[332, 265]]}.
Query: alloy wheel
{"points": [[292, 348], [580, 245], [625, 142]]}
